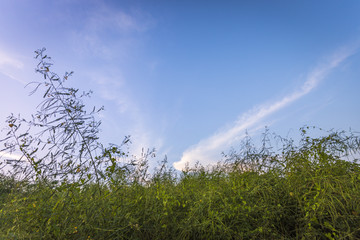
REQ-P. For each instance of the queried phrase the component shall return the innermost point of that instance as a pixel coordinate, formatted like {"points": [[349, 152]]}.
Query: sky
{"points": [[190, 78]]}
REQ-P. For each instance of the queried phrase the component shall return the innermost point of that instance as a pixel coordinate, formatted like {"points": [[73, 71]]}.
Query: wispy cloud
{"points": [[110, 32], [134, 120], [8, 63], [113, 35], [207, 151], [6, 60], [12, 156]]}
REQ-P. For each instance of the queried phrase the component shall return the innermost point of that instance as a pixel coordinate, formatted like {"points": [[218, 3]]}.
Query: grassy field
{"points": [[307, 191]]}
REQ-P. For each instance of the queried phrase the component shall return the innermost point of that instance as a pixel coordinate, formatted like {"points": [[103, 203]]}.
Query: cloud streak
{"points": [[11, 156], [136, 121], [207, 151], [7, 62], [109, 33], [115, 36]]}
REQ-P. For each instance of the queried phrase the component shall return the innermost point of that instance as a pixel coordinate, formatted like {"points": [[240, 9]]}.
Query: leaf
{"points": [[33, 152], [47, 92], [23, 135]]}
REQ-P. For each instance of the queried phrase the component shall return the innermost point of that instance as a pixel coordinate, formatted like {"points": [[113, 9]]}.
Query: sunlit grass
{"points": [[298, 192]]}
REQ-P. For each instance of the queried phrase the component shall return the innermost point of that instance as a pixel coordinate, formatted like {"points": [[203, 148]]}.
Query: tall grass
{"points": [[305, 191]]}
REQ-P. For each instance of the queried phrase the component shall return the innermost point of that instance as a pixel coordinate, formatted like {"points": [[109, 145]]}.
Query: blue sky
{"points": [[191, 77]]}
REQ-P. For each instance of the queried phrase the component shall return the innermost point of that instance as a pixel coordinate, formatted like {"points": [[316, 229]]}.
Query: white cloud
{"points": [[7, 64], [13, 78], [111, 87], [118, 20], [12, 156], [114, 35], [6, 60], [109, 32], [207, 151], [134, 120]]}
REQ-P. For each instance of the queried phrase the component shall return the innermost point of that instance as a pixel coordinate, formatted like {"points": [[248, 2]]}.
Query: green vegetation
{"points": [[78, 189]]}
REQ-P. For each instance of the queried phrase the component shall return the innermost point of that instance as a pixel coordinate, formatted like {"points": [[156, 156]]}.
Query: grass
{"points": [[309, 191]]}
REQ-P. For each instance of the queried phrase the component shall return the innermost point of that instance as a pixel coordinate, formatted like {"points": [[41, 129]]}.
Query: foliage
{"points": [[60, 142], [281, 190]]}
